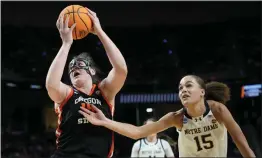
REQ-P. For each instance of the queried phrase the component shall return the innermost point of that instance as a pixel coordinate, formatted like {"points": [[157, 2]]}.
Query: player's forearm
{"points": [[246, 151], [243, 147], [56, 69], [125, 129], [132, 131], [115, 57]]}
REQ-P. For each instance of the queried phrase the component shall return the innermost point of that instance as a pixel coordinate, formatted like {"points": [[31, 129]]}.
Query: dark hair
{"points": [[149, 119], [97, 77], [216, 91]]}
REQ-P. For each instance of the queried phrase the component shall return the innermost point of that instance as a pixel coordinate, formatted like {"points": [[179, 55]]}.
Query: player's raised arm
{"points": [[135, 132], [117, 76], [58, 91]]}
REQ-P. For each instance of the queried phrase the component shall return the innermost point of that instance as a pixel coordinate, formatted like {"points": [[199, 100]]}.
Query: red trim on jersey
{"points": [[110, 154], [56, 110], [60, 107], [112, 109], [108, 103], [92, 90]]}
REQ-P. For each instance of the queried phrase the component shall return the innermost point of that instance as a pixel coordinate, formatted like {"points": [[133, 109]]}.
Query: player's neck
{"points": [[86, 88], [197, 109], [151, 139]]}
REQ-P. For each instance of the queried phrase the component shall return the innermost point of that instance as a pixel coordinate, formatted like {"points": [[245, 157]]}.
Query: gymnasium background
{"points": [[161, 42]]}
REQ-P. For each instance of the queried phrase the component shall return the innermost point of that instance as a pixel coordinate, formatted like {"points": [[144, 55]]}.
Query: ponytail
{"points": [[217, 91]]}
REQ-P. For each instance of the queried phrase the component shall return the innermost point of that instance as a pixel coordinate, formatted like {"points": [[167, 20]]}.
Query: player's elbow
{"points": [[50, 86], [135, 137], [49, 83], [122, 70], [138, 134]]}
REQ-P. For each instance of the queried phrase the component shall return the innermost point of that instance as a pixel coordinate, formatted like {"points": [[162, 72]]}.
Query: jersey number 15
{"points": [[203, 142]]}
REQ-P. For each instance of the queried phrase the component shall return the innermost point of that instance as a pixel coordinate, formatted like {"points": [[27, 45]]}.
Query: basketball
{"points": [[79, 15]]}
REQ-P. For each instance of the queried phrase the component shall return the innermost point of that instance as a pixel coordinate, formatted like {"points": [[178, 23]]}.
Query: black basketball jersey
{"points": [[78, 138]]}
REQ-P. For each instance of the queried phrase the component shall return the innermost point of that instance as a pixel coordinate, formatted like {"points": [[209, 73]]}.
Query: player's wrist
{"points": [[100, 32], [106, 122], [67, 44]]}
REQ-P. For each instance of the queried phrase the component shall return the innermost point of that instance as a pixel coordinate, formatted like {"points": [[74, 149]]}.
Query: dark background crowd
{"points": [[161, 42]]}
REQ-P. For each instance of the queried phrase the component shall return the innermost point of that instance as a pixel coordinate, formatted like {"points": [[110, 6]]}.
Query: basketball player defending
{"points": [[76, 137], [202, 124], [151, 146]]}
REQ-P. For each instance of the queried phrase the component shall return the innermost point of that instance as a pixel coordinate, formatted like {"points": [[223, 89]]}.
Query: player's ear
{"points": [[202, 93], [92, 71]]}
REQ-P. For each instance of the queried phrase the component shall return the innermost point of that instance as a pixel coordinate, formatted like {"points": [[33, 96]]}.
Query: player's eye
{"points": [[82, 64], [189, 85]]}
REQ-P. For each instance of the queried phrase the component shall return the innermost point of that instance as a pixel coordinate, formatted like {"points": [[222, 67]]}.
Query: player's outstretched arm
{"points": [[224, 116], [117, 76], [58, 91], [128, 130]]}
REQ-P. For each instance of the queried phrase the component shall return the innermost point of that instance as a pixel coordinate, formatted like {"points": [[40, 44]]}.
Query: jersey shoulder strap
{"points": [[140, 144], [162, 146]]}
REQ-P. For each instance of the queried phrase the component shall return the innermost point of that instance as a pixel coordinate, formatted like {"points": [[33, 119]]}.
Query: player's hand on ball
{"points": [[96, 23], [96, 118], [64, 30]]}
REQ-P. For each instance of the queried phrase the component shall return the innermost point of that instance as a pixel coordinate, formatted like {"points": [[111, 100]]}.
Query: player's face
{"points": [[190, 91], [79, 76]]}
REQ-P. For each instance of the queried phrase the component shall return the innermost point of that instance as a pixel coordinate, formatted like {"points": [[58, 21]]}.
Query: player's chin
{"points": [[78, 81], [186, 103]]}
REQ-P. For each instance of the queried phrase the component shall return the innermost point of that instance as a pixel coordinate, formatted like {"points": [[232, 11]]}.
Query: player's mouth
{"points": [[76, 73], [185, 96]]}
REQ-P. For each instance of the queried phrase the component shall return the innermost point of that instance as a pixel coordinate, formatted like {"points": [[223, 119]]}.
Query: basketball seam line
{"points": [[76, 12], [82, 19], [74, 21]]}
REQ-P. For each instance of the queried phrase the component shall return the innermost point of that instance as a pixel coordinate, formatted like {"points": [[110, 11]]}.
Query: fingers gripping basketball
{"points": [[79, 15]]}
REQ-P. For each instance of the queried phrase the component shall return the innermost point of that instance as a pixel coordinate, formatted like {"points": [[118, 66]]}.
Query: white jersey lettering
{"points": [[203, 137]]}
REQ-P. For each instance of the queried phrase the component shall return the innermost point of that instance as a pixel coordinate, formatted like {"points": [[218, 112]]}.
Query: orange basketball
{"points": [[78, 14]]}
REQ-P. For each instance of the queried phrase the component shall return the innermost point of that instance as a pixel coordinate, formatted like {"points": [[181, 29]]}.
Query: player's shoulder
{"points": [[70, 91], [176, 114], [179, 112], [178, 117], [137, 143], [217, 108], [164, 141]]}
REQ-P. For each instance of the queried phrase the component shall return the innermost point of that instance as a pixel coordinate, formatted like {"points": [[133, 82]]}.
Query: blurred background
{"points": [[161, 42]]}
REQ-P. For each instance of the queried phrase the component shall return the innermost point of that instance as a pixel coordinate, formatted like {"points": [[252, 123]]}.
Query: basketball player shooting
{"points": [[76, 137], [202, 124]]}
